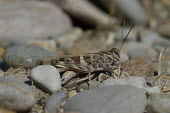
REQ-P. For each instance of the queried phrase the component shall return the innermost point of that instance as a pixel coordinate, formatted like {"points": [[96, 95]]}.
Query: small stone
{"points": [[132, 9], [139, 52], [21, 77], [49, 45], [139, 67], [54, 101], [138, 82], [159, 102], [68, 39], [71, 93], [109, 99], [16, 95], [149, 38], [86, 12], [135, 49], [46, 77], [23, 56]]}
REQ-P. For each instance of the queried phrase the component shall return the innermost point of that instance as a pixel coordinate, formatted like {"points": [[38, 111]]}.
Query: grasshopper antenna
{"points": [[124, 23], [126, 37]]}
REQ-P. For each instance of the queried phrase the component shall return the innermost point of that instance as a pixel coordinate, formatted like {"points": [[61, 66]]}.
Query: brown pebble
{"points": [[139, 67]]}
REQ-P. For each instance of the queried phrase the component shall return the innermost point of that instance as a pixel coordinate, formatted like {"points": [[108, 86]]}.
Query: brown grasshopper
{"points": [[87, 63]]}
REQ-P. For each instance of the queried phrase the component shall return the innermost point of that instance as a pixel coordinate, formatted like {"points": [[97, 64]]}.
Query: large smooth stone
{"points": [[23, 56], [29, 20], [111, 99], [16, 95], [46, 77]]}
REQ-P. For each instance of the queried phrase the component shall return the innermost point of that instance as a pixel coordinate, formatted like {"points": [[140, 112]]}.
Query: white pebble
{"points": [[46, 77]]}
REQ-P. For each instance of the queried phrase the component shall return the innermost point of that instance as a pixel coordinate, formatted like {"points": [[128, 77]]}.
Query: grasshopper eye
{"points": [[115, 51]]}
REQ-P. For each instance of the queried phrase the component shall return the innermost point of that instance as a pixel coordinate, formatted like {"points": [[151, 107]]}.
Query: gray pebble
{"points": [[21, 77], [32, 20], [46, 77], [23, 56], [16, 95], [110, 99], [135, 49], [130, 8], [54, 101], [133, 10], [159, 102]]}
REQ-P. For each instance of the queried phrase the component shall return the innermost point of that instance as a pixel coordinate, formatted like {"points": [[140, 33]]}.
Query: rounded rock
{"points": [[46, 77], [159, 102], [54, 101], [16, 95], [23, 56], [111, 99], [139, 66], [30, 20], [132, 9], [21, 77]]}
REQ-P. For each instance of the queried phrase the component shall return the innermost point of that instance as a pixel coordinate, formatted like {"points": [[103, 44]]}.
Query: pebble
{"points": [[159, 102], [86, 12], [68, 39], [132, 9], [139, 67], [21, 77], [136, 49], [138, 82], [16, 95], [149, 38], [23, 56], [46, 77], [30, 20], [54, 101], [109, 99], [49, 45]]}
